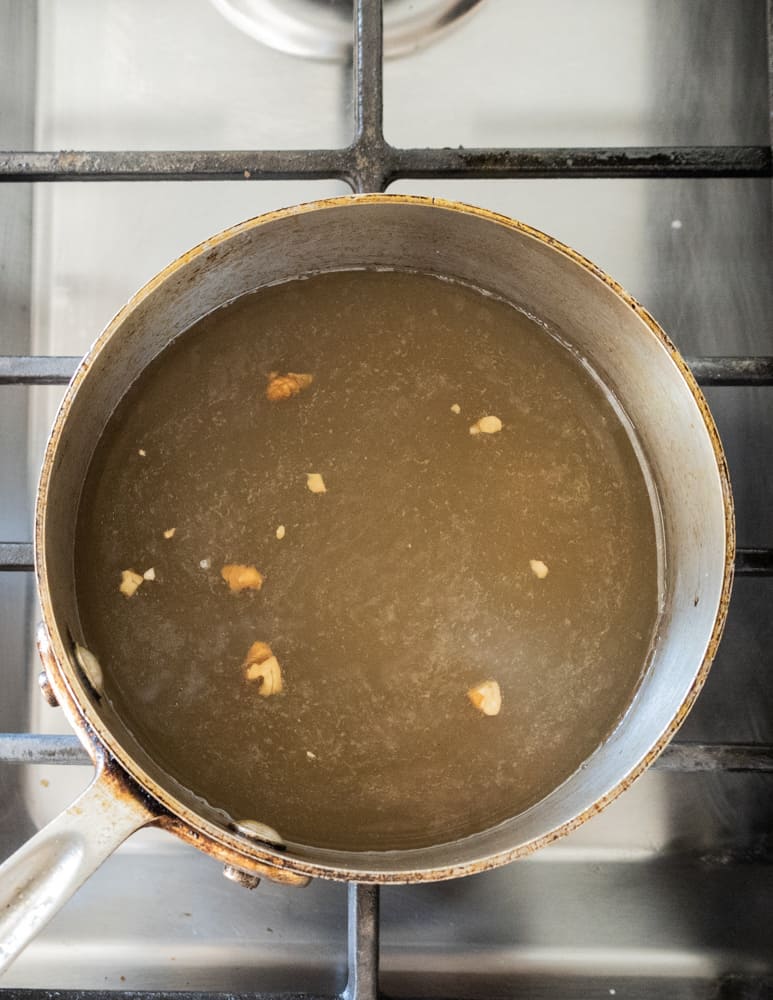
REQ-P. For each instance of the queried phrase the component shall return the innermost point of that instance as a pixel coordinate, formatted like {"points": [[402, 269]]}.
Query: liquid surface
{"points": [[405, 584]]}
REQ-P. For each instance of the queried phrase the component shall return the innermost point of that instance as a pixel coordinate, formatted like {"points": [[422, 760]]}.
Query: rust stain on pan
{"points": [[130, 780]]}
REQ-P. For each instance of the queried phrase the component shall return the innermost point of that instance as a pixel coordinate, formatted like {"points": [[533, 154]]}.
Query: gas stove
{"points": [[637, 133]]}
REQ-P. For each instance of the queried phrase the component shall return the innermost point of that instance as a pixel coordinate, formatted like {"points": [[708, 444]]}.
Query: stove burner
{"points": [[322, 29]]}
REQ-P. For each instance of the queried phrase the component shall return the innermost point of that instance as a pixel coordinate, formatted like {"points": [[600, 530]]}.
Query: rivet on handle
{"points": [[48, 692], [247, 879]]}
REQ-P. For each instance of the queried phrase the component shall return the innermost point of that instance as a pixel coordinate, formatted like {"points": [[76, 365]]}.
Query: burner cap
{"points": [[322, 29]]}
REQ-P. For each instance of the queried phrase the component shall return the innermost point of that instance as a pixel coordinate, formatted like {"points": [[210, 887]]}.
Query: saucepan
{"points": [[567, 293]]}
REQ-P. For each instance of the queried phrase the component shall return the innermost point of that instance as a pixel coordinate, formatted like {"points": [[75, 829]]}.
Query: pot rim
{"points": [[87, 720]]}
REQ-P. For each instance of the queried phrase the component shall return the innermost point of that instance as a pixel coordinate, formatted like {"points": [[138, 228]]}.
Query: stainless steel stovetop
{"points": [[670, 891]]}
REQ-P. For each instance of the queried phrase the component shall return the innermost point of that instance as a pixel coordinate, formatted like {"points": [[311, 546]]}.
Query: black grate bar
{"points": [[716, 757], [363, 942], [52, 370], [519, 986], [371, 163], [732, 371], [176, 165], [36, 369], [43, 993], [770, 70], [754, 562], [369, 151], [18, 557], [369, 72], [31, 748], [639, 162]]}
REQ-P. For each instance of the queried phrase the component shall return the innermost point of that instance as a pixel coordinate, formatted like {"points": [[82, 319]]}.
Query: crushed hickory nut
{"points": [[315, 482], [169, 533], [456, 408], [538, 568], [149, 574], [205, 563], [486, 425], [129, 582], [262, 666], [280, 532], [142, 453], [486, 697], [311, 755], [241, 578], [285, 386]]}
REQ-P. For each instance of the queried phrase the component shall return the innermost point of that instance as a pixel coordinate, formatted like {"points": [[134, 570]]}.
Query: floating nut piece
{"points": [[486, 425], [89, 664], [262, 666], [311, 755], [315, 482], [246, 879], [129, 582], [142, 453], [205, 563], [241, 578], [486, 697], [169, 533], [456, 408], [538, 568], [259, 831], [149, 574], [285, 386], [268, 675], [258, 652], [280, 532]]}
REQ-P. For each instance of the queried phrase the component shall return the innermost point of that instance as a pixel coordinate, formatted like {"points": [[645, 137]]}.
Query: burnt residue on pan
{"points": [[461, 599]]}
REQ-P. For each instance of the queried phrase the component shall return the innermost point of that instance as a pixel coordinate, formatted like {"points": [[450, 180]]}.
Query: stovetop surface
{"points": [[669, 891]]}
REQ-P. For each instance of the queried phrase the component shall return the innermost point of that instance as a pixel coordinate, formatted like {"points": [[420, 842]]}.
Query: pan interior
{"points": [[436, 560]]}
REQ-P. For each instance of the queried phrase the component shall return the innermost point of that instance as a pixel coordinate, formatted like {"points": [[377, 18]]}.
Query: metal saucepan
{"points": [[626, 348]]}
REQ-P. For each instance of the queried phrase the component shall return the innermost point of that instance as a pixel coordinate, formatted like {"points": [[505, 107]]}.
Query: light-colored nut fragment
{"points": [[268, 676], [262, 666], [280, 532], [486, 425], [169, 533], [142, 453], [205, 563], [315, 482], [486, 697], [285, 386], [241, 578], [456, 408], [538, 568], [89, 664], [149, 574], [129, 582], [258, 831], [311, 755], [257, 653]]}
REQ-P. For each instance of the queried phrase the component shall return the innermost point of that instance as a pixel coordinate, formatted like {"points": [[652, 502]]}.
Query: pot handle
{"points": [[40, 877]]}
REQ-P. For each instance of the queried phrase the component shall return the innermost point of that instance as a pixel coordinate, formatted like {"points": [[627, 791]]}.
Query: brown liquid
{"points": [[393, 593]]}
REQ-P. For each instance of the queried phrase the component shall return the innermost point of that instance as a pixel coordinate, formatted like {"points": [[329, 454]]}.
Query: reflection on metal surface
{"points": [[322, 29]]}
